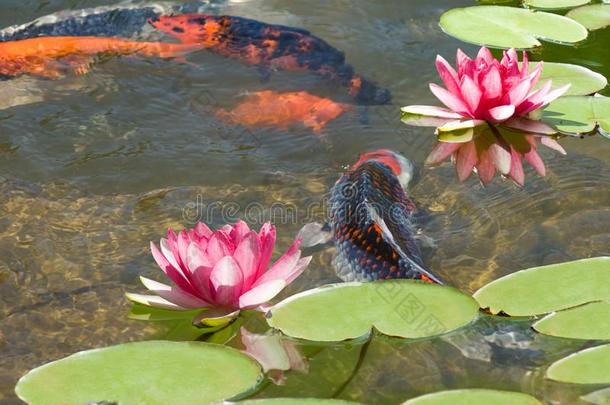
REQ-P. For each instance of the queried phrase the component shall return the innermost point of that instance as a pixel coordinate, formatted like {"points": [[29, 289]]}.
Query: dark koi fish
{"points": [[273, 46], [371, 222], [50, 56], [284, 110]]}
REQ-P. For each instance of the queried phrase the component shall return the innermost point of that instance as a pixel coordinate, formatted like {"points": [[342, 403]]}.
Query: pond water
{"points": [[105, 162]]}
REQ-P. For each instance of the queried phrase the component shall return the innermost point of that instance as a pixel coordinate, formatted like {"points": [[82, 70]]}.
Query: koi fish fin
{"points": [[404, 246], [315, 233], [364, 115], [45, 68], [78, 64]]}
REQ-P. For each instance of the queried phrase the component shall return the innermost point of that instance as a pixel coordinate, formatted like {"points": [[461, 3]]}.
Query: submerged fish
{"points": [[50, 56], [273, 46], [371, 222], [284, 110]]}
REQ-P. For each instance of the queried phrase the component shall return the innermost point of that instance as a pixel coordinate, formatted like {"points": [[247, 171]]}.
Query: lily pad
{"points": [[402, 308], [554, 4], [474, 397], [593, 17], [583, 81], [578, 114], [589, 366], [143, 373], [589, 321], [600, 397], [510, 27], [540, 290], [296, 401]]}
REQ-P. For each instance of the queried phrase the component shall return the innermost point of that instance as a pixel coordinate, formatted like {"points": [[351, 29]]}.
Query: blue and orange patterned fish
{"points": [[371, 222]]}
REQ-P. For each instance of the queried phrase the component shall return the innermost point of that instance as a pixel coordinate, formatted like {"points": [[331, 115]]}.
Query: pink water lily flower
{"points": [[226, 269], [485, 89]]}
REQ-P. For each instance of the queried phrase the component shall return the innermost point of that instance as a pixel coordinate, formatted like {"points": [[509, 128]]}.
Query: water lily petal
{"points": [[460, 124], [555, 94], [247, 256], [441, 151], [492, 84], [518, 93], [430, 110], [501, 113], [448, 75], [153, 301], [552, 144], [465, 160], [219, 246], [173, 294], [203, 230], [267, 350], [449, 99], [239, 231], [170, 271], [485, 55], [283, 266], [227, 280], [266, 238], [168, 252], [471, 94], [527, 125], [298, 269], [261, 294]]}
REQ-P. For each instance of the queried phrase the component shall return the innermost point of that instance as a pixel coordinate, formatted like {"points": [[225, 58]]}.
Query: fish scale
{"points": [[358, 200]]}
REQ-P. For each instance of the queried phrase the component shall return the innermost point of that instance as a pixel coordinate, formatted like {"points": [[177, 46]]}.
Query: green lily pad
{"points": [[578, 114], [583, 81], [510, 27], [540, 290], [593, 17], [142, 373], [402, 308], [589, 321], [589, 366], [474, 397], [554, 4], [600, 397], [296, 401]]}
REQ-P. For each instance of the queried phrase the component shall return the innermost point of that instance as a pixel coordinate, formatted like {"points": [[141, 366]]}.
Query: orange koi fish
{"points": [[284, 110], [51, 56]]}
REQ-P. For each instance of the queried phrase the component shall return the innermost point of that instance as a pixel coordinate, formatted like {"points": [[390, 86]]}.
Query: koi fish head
{"points": [[400, 165], [192, 28]]}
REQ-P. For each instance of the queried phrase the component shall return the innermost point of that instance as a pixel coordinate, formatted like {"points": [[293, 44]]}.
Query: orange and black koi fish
{"points": [[371, 222], [284, 110], [273, 46], [51, 56]]}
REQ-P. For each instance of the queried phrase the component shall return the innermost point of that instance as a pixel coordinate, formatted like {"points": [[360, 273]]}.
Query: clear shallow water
{"points": [[106, 162]]}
